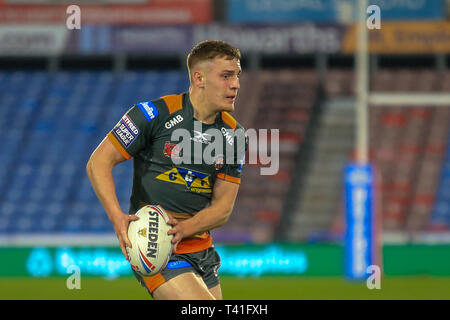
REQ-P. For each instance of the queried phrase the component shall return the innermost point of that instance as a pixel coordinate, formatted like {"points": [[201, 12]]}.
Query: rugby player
{"points": [[199, 195]]}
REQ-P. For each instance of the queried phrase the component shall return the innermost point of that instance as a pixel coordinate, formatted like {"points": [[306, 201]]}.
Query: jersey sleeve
{"points": [[232, 170], [136, 127]]}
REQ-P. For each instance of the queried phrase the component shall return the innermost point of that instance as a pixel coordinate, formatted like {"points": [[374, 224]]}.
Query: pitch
{"points": [[270, 288]]}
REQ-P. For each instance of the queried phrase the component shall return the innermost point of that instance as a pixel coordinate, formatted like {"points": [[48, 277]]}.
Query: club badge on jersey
{"points": [[172, 150]]}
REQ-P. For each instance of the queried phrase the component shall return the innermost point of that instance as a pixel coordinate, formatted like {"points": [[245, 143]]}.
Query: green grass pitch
{"points": [[276, 288]]}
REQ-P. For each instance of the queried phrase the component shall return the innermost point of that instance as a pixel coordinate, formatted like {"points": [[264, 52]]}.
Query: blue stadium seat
{"points": [[59, 120]]}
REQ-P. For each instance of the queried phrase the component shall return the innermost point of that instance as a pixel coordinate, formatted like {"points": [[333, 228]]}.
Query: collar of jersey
{"points": [[190, 109]]}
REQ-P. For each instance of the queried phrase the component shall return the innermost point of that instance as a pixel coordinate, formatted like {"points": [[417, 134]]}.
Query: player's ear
{"points": [[198, 78]]}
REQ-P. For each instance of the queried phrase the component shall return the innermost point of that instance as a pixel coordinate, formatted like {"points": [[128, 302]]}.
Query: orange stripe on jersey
{"points": [[229, 178], [153, 282], [229, 120], [174, 102], [118, 146], [197, 244]]}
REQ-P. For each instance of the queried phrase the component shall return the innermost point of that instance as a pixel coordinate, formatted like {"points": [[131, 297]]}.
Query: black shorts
{"points": [[204, 263]]}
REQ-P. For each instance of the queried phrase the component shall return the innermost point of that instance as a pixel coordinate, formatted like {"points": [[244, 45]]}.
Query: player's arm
{"points": [[214, 216], [99, 170]]}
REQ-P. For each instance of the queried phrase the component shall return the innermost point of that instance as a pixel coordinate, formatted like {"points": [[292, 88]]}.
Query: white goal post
{"points": [[366, 99], [410, 99]]}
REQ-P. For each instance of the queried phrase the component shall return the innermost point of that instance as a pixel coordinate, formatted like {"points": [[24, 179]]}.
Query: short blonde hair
{"points": [[210, 49]]}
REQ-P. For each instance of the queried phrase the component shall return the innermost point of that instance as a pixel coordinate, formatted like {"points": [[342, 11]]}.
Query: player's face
{"points": [[222, 83]]}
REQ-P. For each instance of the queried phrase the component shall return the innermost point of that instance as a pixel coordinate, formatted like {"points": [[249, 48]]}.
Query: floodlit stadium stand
{"points": [[408, 148], [58, 119], [277, 100], [55, 120]]}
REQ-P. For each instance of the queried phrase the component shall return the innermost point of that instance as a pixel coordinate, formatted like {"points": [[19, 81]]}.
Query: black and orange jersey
{"points": [[177, 159]]}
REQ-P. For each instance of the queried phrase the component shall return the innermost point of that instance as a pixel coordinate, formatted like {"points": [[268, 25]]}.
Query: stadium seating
{"points": [[320, 196], [440, 214], [55, 120], [275, 100], [407, 147]]}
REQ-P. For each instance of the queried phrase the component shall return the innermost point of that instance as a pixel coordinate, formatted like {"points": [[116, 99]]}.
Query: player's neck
{"points": [[202, 111]]}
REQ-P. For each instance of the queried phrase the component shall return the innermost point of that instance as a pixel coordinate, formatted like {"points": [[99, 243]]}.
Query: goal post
{"points": [[361, 246], [363, 236], [409, 99]]}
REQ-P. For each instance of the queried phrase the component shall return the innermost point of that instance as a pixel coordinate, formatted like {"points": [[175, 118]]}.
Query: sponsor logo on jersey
{"points": [[173, 122], [172, 150], [149, 110], [126, 131], [193, 180], [227, 135], [201, 137]]}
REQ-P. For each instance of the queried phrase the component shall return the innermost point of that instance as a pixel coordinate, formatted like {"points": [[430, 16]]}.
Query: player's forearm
{"points": [[102, 181], [207, 219]]}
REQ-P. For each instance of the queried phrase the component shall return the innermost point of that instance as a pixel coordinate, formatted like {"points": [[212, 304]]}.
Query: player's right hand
{"points": [[121, 228]]}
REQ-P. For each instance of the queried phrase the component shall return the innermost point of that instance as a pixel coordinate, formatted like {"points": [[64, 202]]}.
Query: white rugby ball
{"points": [[151, 245]]}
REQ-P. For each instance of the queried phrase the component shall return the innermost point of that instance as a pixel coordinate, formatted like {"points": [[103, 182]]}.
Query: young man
{"points": [[199, 195]]}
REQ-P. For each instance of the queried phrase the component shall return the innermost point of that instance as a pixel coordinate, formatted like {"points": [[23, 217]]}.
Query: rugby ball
{"points": [[151, 245]]}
